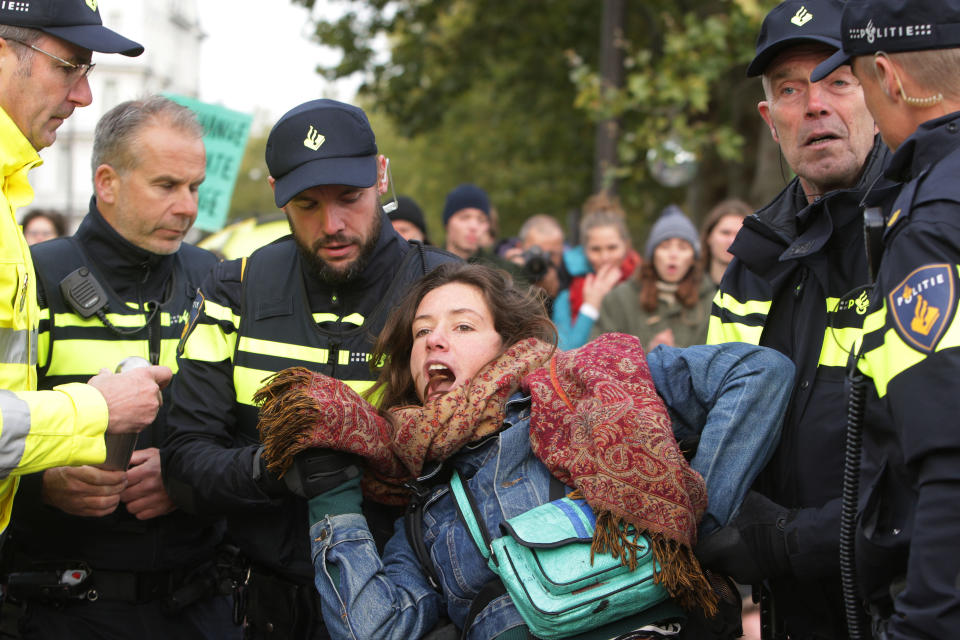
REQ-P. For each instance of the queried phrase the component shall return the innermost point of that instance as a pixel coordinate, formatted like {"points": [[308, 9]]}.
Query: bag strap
{"points": [[467, 508], [557, 489]]}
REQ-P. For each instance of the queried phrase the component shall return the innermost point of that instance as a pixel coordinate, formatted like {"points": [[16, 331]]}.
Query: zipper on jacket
{"points": [[332, 357], [23, 290], [798, 290]]}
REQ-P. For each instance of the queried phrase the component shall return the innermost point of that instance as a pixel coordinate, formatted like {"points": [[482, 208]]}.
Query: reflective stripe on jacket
{"points": [[38, 429], [251, 319]]}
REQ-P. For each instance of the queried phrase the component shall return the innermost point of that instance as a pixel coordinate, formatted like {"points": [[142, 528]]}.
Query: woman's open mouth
{"points": [[440, 379]]}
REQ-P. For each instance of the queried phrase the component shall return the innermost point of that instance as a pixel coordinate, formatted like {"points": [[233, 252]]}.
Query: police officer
{"points": [[793, 286], [906, 56], [139, 554], [317, 299], [45, 53]]}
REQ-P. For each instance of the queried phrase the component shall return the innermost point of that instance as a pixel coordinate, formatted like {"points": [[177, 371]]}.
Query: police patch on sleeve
{"points": [[923, 304], [188, 327]]}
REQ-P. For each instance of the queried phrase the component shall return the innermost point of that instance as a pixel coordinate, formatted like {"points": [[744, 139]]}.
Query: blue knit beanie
{"points": [[465, 196], [672, 224]]}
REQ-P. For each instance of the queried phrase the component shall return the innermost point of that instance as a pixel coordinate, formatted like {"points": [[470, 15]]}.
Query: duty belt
{"points": [[79, 583], [133, 587]]}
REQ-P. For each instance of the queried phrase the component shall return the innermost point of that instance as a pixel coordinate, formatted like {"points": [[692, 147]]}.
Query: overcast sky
{"points": [[269, 61]]}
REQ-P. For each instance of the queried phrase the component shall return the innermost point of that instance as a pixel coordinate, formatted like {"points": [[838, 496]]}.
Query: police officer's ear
{"points": [[886, 73], [7, 56], [273, 183], [764, 108], [383, 176], [106, 182]]}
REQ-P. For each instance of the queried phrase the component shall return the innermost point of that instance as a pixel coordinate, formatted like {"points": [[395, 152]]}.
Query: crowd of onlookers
{"points": [[602, 283]]}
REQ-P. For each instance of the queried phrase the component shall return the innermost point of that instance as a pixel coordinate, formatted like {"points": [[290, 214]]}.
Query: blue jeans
{"points": [[733, 396]]}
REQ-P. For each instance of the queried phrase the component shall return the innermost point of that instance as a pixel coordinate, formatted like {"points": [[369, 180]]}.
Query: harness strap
{"points": [[413, 526]]}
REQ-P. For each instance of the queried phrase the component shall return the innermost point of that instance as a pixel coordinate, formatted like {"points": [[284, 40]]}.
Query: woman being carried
{"points": [[474, 384]]}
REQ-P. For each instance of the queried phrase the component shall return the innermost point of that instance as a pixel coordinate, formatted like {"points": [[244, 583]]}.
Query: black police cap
{"points": [[318, 143], [868, 26], [796, 22], [76, 21]]}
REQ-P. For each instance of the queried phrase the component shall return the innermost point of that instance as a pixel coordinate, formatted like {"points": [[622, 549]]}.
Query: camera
{"points": [[536, 263]]}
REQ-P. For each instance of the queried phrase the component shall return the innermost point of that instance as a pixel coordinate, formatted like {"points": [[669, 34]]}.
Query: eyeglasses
{"points": [[73, 69]]}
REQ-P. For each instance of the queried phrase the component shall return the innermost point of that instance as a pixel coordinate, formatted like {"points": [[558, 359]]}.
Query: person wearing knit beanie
{"points": [[672, 223], [668, 300], [408, 220], [466, 219]]}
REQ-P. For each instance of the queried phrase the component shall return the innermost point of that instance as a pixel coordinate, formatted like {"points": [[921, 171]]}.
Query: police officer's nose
{"points": [[80, 92], [816, 103], [331, 220]]}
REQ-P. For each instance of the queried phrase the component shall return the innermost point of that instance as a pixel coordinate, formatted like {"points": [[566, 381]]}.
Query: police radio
{"points": [[873, 226], [82, 292]]}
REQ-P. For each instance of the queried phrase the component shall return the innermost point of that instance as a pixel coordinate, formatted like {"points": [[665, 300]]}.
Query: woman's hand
{"points": [[597, 285]]}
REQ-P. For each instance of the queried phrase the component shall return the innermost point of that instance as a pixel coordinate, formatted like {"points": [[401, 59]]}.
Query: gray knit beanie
{"points": [[672, 223]]}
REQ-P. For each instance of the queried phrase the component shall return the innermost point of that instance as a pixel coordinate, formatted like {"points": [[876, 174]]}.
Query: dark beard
{"points": [[333, 276]]}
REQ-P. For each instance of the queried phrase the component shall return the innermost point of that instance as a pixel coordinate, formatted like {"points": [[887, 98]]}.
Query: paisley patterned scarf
{"points": [[596, 422]]}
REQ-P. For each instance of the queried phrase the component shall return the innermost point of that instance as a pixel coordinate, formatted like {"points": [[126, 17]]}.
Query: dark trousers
{"points": [[209, 619], [277, 609], [810, 609]]}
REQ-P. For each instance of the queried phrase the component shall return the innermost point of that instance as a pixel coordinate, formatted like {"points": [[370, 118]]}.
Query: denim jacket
{"points": [[732, 396], [391, 598]]}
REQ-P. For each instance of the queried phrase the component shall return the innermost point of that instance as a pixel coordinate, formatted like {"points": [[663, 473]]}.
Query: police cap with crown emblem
{"points": [[795, 22], [321, 142], [891, 26], [75, 21]]}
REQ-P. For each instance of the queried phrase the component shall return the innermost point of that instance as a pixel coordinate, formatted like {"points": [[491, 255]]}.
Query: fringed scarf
{"points": [[301, 409], [597, 423]]}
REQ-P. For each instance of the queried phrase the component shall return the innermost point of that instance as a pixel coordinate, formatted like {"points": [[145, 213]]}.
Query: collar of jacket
{"points": [[128, 269], [931, 142], [804, 228], [17, 157], [386, 258]]}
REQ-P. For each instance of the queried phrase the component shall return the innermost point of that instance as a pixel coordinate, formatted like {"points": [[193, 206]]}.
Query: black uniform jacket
{"points": [[251, 319], [132, 277], [798, 284], [907, 554]]}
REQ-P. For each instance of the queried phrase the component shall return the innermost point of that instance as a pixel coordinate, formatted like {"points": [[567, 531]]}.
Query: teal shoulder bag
{"points": [[543, 559]]}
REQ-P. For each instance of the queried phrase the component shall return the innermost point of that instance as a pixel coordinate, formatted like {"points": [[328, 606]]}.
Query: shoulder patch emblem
{"points": [[188, 326], [923, 304]]}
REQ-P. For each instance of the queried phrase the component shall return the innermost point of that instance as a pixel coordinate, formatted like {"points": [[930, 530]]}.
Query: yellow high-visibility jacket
{"points": [[38, 429]]}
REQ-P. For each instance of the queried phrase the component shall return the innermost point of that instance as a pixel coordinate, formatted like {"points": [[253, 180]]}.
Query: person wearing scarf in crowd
{"points": [[668, 302], [603, 260], [474, 381]]}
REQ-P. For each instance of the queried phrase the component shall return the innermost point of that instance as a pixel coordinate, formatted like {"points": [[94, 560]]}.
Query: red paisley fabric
{"points": [[599, 425]]}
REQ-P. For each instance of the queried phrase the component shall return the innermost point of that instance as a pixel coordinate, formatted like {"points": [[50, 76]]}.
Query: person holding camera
{"points": [[605, 259], [538, 249]]}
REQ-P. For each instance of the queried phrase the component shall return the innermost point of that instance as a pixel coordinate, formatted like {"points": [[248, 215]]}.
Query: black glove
{"points": [[313, 472], [753, 546]]}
